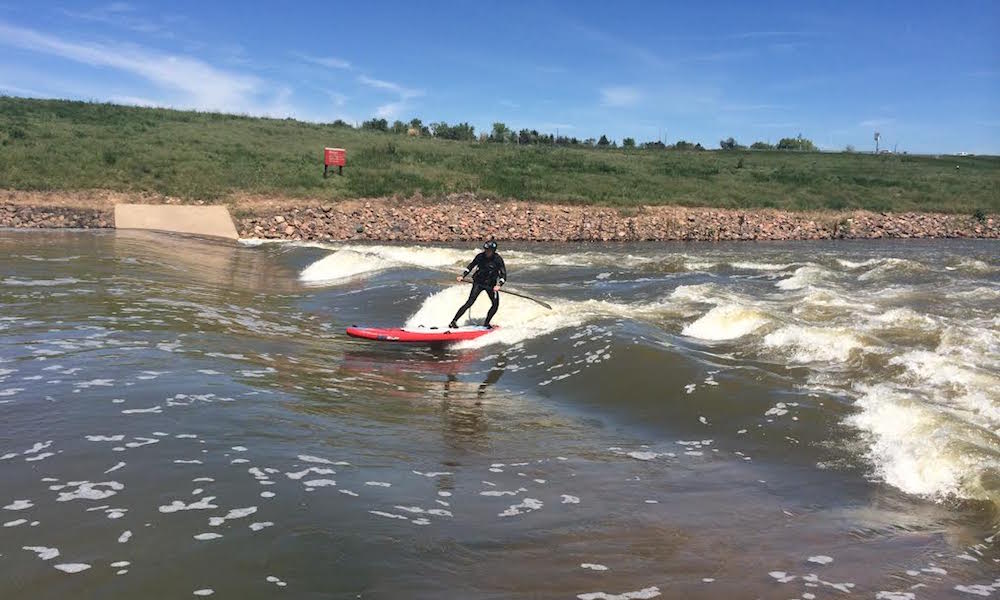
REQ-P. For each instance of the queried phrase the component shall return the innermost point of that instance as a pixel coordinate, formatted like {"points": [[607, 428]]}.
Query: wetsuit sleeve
{"points": [[502, 272], [473, 264]]}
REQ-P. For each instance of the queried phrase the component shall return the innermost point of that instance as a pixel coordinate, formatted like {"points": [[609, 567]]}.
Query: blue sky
{"points": [[924, 74]]}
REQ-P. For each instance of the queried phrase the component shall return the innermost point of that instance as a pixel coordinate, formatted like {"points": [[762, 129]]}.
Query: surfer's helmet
{"points": [[490, 245]]}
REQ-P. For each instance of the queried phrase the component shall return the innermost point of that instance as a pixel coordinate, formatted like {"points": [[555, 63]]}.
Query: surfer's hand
{"points": [[460, 278], [496, 288]]}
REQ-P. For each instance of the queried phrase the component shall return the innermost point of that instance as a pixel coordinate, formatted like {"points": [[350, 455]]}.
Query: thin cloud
{"points": [[195, 83], [331, 62], [508, 103], [390, 110], [880, 122], [388, 86], [12, 90], [781, 125], [621, 47], [752, 107], [554, 126], [337, 98], [121, 15], [771, 34], [620, 96]]}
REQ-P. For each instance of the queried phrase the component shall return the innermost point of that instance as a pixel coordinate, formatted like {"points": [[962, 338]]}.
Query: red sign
{"points": [[334, 157]]}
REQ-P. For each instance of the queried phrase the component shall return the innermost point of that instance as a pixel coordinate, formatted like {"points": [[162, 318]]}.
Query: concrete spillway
{"points": [[212, 221]]}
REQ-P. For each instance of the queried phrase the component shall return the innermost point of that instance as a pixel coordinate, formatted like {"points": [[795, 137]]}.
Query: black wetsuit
{"points": [[490, 270]]}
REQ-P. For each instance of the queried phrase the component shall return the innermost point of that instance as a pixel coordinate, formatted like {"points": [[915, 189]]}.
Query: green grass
{"points": [[65, 146]]}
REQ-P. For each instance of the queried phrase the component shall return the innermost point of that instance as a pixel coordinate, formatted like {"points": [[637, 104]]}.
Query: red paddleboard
{"points": [[418, 334]]}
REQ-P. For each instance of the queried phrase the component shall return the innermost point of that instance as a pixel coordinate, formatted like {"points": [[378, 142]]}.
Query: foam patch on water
{"points": [[526, 506], [177, 505], [643, 594], [43, 552], [803, 277], [916, 448], [353, 261], [520, 319], [726, 322], [805, 344]]}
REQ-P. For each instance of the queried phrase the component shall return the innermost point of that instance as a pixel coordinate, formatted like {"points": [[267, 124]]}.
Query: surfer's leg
{"points": [[473, 294], [495, 299]]}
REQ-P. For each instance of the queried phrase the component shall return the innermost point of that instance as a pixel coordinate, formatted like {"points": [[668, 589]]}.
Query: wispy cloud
{"points": [[13, 90], [388, 86], [621, 47], [391, 110], [554, 126], [192, 82], [508, 103], [123, 16], [712, 57], [776, 125], [620, 96], [330, 62], [746, 35], [337, 98], [878, 122], [752, 107]]}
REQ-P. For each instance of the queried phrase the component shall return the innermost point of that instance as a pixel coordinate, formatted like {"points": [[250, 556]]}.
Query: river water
{"points": [[772, 420]]}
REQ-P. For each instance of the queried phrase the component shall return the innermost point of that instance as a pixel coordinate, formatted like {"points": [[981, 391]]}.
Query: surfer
{"points": [[489, 276]]}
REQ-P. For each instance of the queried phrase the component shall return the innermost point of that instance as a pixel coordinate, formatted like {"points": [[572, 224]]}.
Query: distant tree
{"points": [[376, 125], [798, 143], [849, 149], [761, 146], [341, 123], [603, 142], [590, 142], [399, 127], [628, 143], [419, 126], [682, 145], [461, 132], [730, 144], [657, 145], [501, 133]]}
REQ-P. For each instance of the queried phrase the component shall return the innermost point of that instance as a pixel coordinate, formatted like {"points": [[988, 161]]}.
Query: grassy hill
{"points": [[63, 145]]}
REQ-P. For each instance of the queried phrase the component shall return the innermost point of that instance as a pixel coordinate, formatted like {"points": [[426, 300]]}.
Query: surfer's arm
{"points": [[502, 279], [472, 265]]}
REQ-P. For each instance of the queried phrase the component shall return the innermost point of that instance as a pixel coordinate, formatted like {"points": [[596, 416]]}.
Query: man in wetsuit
{"points": [[489, 276]]}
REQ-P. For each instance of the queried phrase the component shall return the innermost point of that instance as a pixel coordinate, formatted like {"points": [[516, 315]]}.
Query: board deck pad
{"points": [[418, 334]]}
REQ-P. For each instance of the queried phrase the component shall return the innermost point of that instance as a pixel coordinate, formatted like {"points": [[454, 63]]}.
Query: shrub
{"points": [[376, 125], [798, 143]]}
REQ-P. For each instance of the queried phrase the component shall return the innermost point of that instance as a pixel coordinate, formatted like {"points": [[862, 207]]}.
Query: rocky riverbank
{"points": [[458, 219], [54, 217], [465, 217]]}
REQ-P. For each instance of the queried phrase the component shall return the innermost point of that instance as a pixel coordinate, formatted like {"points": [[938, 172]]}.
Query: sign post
{"points": [[334, 157]]}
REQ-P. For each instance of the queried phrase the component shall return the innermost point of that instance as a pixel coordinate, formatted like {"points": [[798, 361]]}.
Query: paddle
{"points": [[526, 297]]}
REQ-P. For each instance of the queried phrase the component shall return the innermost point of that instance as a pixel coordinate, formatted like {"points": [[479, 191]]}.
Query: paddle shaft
{"points": [[525, 296]]}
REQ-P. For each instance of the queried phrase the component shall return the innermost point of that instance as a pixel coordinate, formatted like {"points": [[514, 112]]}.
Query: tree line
{"points": [[502, 134]]}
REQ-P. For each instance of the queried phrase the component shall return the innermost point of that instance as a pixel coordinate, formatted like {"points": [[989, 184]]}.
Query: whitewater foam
{"points": [[521, 319], [726, 322], [805, 344]]}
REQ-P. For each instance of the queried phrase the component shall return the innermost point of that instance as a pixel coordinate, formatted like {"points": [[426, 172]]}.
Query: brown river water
{"points": [[183, 418]]}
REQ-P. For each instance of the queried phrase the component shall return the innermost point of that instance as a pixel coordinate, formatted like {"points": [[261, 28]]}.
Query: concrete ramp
{"points": [[211, 221]]}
